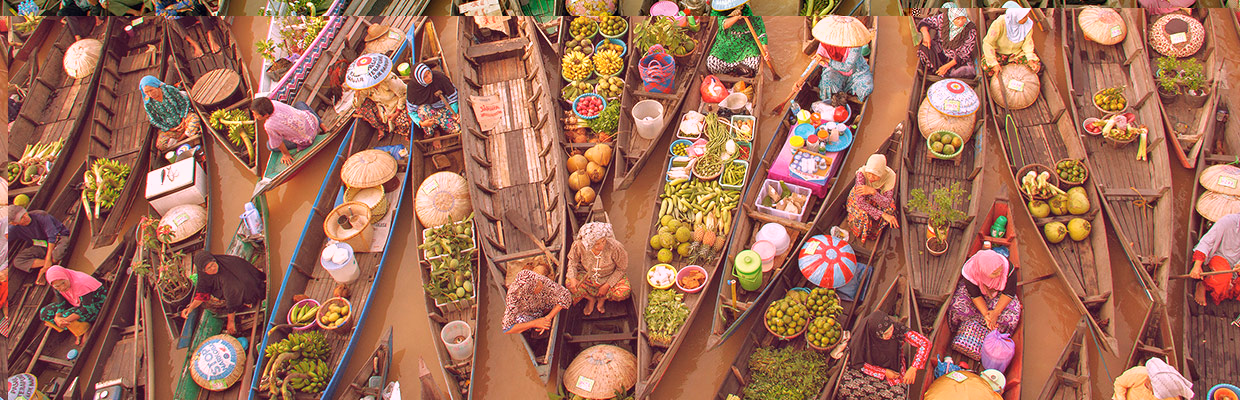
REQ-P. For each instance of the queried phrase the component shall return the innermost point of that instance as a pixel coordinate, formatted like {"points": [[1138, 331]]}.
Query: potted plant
{"points": [[1193, 80], [171, 281], [940, 214], [1168, 78]]}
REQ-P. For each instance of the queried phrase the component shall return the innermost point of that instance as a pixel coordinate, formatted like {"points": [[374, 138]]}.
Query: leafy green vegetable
{"points": [[665, 313], [785, 374], [608, 120]]}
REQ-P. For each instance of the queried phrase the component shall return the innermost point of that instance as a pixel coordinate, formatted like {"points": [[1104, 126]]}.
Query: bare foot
{"points": [[589, 307], [602, 309], [1200, 294], [232, 328], [215, 47], [77, 340]]}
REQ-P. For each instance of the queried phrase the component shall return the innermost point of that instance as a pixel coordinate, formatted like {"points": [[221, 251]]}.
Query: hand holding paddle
{"points": [[766, 56]]}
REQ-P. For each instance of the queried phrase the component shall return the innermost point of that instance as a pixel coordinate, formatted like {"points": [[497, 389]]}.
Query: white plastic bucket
{"points": [[458, 338], [339, 261], [648, 117]]}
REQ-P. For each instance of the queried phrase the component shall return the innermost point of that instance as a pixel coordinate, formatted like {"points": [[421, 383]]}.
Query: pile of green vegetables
{"points": [[451, 278], [785, 374], [665, 32], [449, 239], [665, 313], [607, 121], [721, 148]]}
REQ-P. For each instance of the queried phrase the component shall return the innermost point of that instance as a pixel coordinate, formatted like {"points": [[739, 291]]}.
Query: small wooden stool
{"points": [[215, 86]]}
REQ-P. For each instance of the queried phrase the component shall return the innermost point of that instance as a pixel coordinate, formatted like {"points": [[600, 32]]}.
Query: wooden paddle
{"points": [[517, 219], [797, 88], [1203, 274], [766, 56]]}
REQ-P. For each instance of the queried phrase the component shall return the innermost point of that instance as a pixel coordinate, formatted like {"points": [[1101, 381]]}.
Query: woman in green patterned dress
{"points": [[82, 298], [735, 53]]}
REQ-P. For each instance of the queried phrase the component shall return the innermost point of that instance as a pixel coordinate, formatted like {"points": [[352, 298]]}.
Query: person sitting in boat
{"points": [[226, 284], [876, 368], [872, 199], [735, 53], [42, 239], [288, 127], [169, 110], [77, 8], [82, 298], [844, 69], [947, 43], [987, 293], [596, 267], [533, 301], [1159, 7], [1153, 381], [1008, 41], [590, 8], [425, 98], [1220, 249], [378, 101]]}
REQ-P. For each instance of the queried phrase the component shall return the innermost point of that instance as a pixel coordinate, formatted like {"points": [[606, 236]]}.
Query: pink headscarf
{"points": [[988, 270], [80, 284]]}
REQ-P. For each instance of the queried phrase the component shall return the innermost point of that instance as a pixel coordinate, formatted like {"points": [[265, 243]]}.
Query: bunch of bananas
{"points": [[309, 344], [575, 66], [103, 184], [239, 125], [309, 375], [296, 363], [303, 314]]}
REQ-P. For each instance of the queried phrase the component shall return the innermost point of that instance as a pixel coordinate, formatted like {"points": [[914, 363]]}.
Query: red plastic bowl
{"points": [[683, 272]]}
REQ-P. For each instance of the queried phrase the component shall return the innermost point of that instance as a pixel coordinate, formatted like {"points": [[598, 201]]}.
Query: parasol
{"points": [[842, 31], [600, 372], [368, 168], [1177, 35], [367, 71], [1102, 25], [827, 261], [82, 57]]}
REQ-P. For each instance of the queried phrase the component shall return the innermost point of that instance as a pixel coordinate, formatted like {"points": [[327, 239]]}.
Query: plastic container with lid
{"points": [[766, 251], [748, 270], [339, 261], [775, 234]]}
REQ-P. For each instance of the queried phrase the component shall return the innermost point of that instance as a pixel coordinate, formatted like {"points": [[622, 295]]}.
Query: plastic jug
{"points": [[253, 221], [338, 260], [458, 338], [748, 270], [648, 117]]}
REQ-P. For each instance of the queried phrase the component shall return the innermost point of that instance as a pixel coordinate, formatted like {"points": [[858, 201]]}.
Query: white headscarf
{"points": [[592, 232], [1016, 31], [1166, 381]]}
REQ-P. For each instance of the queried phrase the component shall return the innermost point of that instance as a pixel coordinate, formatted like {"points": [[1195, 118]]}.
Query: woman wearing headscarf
{"points": [[596, 267], [1008, 41], [734, 52], [169, 111], [987, 293], [227, 284], [876, 367], [1153, 381], [380, 104], [1220, 248], [948, 40], [425, 100], [82, 298], [872, 199], [844, 69], [533, 301]]}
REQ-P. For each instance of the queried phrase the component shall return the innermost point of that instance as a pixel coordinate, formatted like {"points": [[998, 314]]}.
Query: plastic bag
{"points": [[997, 351], [713, 90]]}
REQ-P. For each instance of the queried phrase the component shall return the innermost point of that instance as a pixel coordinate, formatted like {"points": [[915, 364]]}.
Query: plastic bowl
{"points": [[323, 310], [685, 142], [307, 326], [624, 47], [942, 155], [585, 95], [1223, 391], [618, 35], [1090, 121], [661, 266], [684, 272]]}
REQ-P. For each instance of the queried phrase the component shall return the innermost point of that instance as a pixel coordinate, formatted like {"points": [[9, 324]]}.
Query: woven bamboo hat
{"points": [[218, 362], [367, 71], [1177, 35], [368, 168], [82, 57], [842, 31], [184, 220], [442, 198], [1221, 178], [1215, 205], [1102, 25], [600, 372], [382, 39]]}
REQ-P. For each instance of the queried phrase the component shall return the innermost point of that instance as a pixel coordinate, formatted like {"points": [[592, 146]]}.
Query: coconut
{"points": [[595, 172], [1078, 203], [1078, 229], [599, 154], [1055, 232], [1059, 204], [1039, 209], [578, 180], [576, 163], [585, 196]]}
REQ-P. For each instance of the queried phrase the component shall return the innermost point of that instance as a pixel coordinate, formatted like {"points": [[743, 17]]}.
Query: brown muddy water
{"points": [[504, 370]]}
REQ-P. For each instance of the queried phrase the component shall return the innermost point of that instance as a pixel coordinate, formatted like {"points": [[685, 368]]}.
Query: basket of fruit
{"points": [[1071, 172], [1038, 181], [612, 44], [734, 176], [580, 45], [576, 67], [691, 279], [680, 147], [1119, 131], [589, 105], [574, 89], [613, 27], [1110, 100], [661, 276], [823, 333], [610, 87], [945, 145], [302, 315], [335, 313], [608, 63], [786, 318], [583, 27]]}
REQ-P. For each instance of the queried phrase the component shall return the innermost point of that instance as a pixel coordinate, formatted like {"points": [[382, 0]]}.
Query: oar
{"points": [[1204, 274], [519, 221], [766, 56], [813, 62]]}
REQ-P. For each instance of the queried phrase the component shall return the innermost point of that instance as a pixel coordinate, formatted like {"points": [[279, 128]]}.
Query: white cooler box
{"points": [[183, 182]]}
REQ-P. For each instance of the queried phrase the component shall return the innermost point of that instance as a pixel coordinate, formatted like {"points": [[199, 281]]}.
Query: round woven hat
{"points": [[1221, 178], [374, 197], [367, 71], [842, 31], [600, 372], [442, 198], [1215, 205], [82, 57], [953, 97], [1177, 35], [382, 39], [1102, 25], [218, 363], [1015, 87], [725, 5], [368, 168], [184, 221]]}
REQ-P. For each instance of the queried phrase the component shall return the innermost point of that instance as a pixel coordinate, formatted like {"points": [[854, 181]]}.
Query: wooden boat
{"points": [[48, 360], [941, 338], [532, 8], [616, 327], [1208, 344], [276, 172], [1155, 339], [126, 348], [279, 83], [553, 36], [55, 105], [633, 150], [215, 80], [304, 276], [514, 168], [898, 302], [387, 8], [380, 363], [120, 130], [1185, 124], [1044, 133], [1070, 378], [931, 280]]}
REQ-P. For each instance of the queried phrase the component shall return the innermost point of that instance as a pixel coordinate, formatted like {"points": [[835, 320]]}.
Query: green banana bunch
{"points": [[309, 376], [303, 314], [239, 125], [104, 182]]}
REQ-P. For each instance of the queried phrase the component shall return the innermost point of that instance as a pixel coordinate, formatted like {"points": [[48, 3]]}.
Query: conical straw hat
{"points": [[1222, 178], [82, 57], [600, 372], [1102, 25], [842, 31], [368, 168], [382, 39], [1215, 205]]}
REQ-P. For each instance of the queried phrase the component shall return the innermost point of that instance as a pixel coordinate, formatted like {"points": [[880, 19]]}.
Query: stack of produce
{"points": [[785, 373], [825, 329], [665, 313], [612, 26], [586, 169], [1111, 99], [296, 364], [1074, 202], [1071, 171], [103, 184], [451, 278], [240, 128], [1038, 185], [664, 32], [703, 208], [335, 314], [32, 167], [448, 239], [788, 316]]}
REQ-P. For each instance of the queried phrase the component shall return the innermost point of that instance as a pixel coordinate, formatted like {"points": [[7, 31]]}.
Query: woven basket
{"points": [[374, 197], [1070, 183], [1222, 178], [1105, 112], [360, 235], [368, 168], [1039, 168], [782, 337], [185, 220], [226, 357], [348, 318]]}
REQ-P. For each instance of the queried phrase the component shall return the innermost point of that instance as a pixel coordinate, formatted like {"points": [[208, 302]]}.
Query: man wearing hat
{"points": [[432, 101], [382, 39], [42, 239], [287, 127], [1153, 381]]}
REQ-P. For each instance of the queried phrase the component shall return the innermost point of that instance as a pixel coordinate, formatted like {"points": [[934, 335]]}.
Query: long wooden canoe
{"points": [[730, 313], [126, 348], [1045, 133], [1155, 339], [941, 338], [278, 85], [54, 108], [531, 8], [304, 276], [379, 365], [932, 279], [515, 167], [120, 130], [387, 8], [633, 150], [1070, 377], [1186, 125], [215, 80]]}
